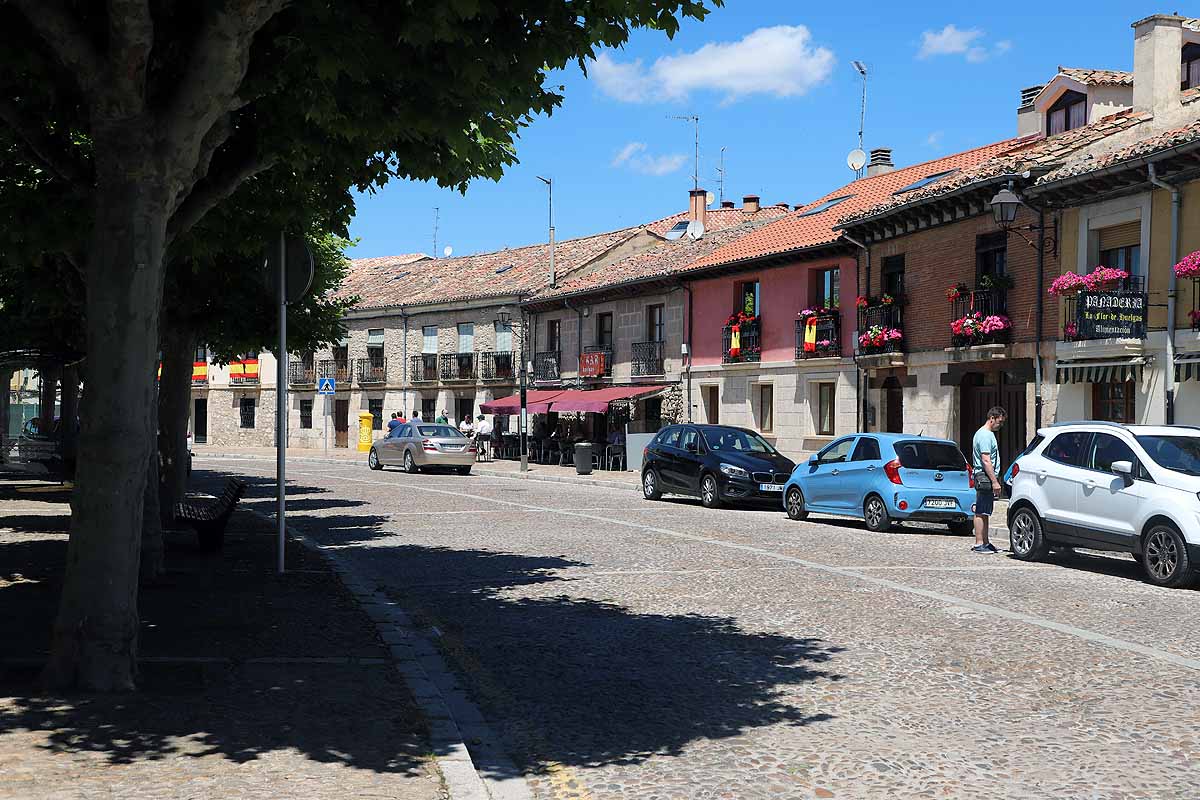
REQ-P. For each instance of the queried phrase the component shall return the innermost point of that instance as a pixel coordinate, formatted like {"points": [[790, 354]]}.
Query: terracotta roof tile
{"points": [[1163, 141], [799, 230], [1098, 77]]}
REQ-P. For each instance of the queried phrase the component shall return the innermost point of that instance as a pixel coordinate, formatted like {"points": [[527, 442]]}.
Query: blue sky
{"points": [[772, 83]]}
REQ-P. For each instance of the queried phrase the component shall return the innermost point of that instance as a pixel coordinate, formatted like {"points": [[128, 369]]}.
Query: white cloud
{"points": [[952, 40], [934, 139], [780, 61], [634, 157]]}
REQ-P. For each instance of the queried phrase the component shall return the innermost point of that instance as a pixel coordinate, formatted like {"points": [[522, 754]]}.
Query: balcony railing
{"points": [[301, 374], [1121, 313], [980, 305], [748, 346], [424, 368], [336, 369], [496, 365], [647, 359], [1195, 313], [547, 366], [826, 341], [370, 370], [881, 324], [456, 366], [608, 359]]}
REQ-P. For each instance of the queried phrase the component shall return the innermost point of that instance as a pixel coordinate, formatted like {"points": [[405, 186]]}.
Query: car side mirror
{"points": [[1124, 469], [813, 460]]}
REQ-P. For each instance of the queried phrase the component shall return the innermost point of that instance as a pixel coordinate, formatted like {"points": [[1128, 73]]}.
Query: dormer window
{"points": [[1067, 113], [1190, 67]]}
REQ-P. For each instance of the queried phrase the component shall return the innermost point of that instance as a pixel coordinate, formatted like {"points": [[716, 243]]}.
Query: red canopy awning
{"points": [[596, 400], [537, 401]]}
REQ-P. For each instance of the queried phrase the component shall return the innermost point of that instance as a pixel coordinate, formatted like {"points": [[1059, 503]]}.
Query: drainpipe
{"points": [[687, 342], [1172, 288], [1041, 294], [860, 379], [404, 362]]}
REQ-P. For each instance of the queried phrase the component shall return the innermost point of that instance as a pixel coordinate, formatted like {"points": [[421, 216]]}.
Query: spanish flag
{"points": [[199, 371], [810, 335], [735, 341]]}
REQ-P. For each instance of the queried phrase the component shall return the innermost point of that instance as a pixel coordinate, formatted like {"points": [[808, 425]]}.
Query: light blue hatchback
{"points": [[883, 478]]}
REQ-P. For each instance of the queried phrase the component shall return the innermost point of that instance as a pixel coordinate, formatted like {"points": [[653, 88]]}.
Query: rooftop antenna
{"points": [[854, 158], [721, 176], [436, 213], [695, 120]]}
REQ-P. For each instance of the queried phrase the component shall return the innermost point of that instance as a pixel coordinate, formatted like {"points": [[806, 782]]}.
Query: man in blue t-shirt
{"points": [[985, 461]]}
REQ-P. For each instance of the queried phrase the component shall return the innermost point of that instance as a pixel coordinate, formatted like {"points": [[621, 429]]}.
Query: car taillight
{"points": [[645, 453], [1016, 469], [472, 449], [428, 446], [970, 479], [892, 468]]}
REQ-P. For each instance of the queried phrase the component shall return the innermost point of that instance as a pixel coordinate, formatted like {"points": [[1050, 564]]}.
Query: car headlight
{"points": [[734, 471]]}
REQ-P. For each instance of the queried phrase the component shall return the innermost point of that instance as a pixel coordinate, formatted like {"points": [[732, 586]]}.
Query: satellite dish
{"points": [[856, 160], [695, 229], [708, 198], [447, 250]]}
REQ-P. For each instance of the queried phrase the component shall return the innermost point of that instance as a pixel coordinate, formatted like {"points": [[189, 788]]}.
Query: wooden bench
{"points": [[209, 518]]}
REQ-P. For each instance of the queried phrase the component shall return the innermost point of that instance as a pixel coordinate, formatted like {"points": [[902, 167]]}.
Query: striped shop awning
{"points": [[1187, 367], [1112, 371]]}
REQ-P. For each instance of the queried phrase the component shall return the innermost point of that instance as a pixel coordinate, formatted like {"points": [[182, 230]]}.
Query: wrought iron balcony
{"points": [[978, 307], [337, 369], [1119, 303], [608, 357], [547, 366], [496, 365], [748, 346], [826, 341], [301, 374], [1194, 314], [647, 359], [880, 329], [370, 370], [423, 368], [456, 366]]}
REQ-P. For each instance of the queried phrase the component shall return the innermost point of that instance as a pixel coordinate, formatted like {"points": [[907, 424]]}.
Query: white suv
{"points": [[1104, 486]]}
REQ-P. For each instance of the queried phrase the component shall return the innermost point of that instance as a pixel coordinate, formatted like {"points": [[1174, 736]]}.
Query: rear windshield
{"points": [[930, 455], [440, 432], [1177, 453], [725, 439]]}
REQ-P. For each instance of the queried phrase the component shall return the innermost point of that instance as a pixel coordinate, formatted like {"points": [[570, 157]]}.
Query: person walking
{"points": [[985, 461], [442, 419], [483, 438], [394, 422], [416, 417]]}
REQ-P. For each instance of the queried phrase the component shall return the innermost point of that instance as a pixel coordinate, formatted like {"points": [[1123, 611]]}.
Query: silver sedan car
{"points": [[422, 445]]}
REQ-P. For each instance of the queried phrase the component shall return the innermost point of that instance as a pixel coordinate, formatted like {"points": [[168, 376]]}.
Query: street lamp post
{"points": [[505, 317]]}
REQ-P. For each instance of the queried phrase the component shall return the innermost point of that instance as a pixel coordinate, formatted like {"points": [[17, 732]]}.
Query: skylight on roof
{"points": [[828, 204], [677, 231], [928, 179], [401, 275], [505, 268]]}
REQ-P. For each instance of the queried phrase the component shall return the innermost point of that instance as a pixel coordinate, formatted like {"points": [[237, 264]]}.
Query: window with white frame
{"points": [[766, 407], [504, 337], [429, 339], [466, 337], [825, 408]]}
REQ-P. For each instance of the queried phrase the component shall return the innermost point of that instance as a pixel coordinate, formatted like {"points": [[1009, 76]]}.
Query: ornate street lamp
{"points": [[1004, 207], [505, 316]]}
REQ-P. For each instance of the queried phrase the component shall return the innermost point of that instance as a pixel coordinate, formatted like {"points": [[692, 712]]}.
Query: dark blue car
{"points": [[885, 477]]}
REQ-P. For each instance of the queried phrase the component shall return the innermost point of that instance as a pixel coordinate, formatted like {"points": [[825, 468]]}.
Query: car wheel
{"points": [[875, 514], [962, 528], [373, 460], [410, 465], [710, 496], [1165, 557], [1025, 536], [794, 503], [650, 488], [463, 470]]}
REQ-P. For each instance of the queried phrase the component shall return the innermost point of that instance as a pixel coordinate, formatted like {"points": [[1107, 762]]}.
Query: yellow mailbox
{"points": [[365, 434]]}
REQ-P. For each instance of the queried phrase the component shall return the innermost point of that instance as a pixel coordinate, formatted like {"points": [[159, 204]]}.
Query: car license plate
{"points": [[770, 487], [939, 502]]}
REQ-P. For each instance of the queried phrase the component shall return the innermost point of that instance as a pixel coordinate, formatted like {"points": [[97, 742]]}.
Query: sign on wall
{"points": [[1111, 315], [591, 365]]}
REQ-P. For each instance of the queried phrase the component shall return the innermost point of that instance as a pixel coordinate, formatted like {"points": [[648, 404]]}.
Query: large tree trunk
{"points": [[70, 414], [95, 634], [151, 561], [174, 397], [47, 398], [6, 376]]}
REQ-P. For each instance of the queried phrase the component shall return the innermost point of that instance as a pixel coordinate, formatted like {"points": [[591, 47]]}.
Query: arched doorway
{"points": [[893, 406]]}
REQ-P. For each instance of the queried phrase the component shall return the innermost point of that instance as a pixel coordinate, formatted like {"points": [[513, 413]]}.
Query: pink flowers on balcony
{"points": [[1067, 283], [1189, 267], [976, 326], [879, 336], [1099, 279]]}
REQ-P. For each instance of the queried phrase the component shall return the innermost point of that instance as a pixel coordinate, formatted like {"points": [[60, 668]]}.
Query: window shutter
{"points": [[375, 336], [1125, 235]]}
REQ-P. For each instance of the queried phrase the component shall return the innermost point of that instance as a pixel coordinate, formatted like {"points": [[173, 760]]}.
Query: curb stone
{"points": [[452, 716]]}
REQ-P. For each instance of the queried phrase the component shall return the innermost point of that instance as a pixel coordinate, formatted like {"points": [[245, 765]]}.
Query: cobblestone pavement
{"points": [[630, 649], [251, 686]]}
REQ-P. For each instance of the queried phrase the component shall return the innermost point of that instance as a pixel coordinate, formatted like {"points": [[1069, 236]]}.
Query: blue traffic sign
{"points": [[326, 386]]}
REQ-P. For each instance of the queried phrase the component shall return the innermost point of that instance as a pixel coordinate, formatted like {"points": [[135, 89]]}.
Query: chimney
{"points": [[698, 205], [1028, 121], [726, 204], [750, 204], [1157, 45], [881, 162]]}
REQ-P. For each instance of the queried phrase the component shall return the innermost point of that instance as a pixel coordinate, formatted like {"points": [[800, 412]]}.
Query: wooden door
{"points": [[341, 423], [894, 422], [200, 421], [980, 392]]}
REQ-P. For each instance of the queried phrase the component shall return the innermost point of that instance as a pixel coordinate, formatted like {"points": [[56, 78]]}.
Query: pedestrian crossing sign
{"points": [[326, 386]]}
